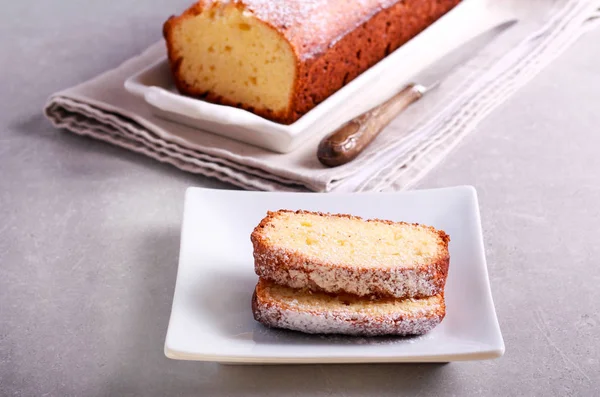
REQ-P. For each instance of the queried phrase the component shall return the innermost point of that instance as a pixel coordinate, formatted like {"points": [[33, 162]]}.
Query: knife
{"points": [[349, 140]]}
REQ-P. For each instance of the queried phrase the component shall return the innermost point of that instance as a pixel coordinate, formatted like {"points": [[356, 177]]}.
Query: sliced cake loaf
{"points": [[346, 254], [317, 313], [279, 59]]}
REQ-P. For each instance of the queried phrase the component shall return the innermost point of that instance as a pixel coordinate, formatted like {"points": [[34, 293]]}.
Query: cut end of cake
{"points": [[352, 241], [301, 310], [222, 52], [338, 253]]}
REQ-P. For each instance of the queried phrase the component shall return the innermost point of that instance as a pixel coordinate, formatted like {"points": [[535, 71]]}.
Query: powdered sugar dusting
{"points": [[301, 272], [288, 294], [322, 271], [286, 13], [295, 270], [341, 320], [312, 26]]}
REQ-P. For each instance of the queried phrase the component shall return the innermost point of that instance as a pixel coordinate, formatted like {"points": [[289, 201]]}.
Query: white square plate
{"points": [[211, 318], [372, 87]]}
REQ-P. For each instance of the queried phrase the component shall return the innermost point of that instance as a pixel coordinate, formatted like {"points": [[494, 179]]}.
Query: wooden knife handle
{"points": [[348, 141]]}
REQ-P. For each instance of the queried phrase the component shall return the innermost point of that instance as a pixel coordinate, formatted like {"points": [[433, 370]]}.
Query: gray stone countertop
{"points": [[89, 233]]}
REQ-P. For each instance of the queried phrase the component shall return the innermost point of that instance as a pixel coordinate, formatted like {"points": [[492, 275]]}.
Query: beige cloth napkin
{"points": [[405, 151]]}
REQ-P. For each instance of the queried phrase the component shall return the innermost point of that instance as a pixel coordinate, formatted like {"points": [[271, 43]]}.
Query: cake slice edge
{"points": [[293, 269], [317, 313]]}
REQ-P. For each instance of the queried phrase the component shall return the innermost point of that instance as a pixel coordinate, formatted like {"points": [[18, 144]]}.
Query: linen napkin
{"points": [[404, 152]]}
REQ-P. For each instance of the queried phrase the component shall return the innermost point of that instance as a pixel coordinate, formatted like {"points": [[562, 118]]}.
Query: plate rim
{"points": [[484, 354]]}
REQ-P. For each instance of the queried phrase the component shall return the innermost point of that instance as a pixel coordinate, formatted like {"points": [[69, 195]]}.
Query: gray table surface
{"points": [[89, 233]]}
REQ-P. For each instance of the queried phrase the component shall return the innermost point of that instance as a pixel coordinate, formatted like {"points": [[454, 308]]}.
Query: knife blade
{"points": [[350, 139]]}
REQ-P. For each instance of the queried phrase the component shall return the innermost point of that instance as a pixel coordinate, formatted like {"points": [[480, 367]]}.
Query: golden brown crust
{"points": [[295, 270], [255, 308], [361, 48], [323, 73], [273, 312]]}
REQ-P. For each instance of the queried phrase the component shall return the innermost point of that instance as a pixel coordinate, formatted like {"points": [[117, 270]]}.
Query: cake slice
{"points": [[346, 254], [317, 313]]}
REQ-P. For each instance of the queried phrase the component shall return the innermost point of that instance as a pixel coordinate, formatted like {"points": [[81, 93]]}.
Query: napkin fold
{"points": [[404, 152]]}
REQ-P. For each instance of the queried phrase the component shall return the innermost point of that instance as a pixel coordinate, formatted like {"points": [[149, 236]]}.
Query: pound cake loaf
{"points": [[346, 254], [280, 58], [318, 313]]}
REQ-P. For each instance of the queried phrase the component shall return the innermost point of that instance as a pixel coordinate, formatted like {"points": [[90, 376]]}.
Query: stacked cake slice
{"points": [[323, 273]]}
